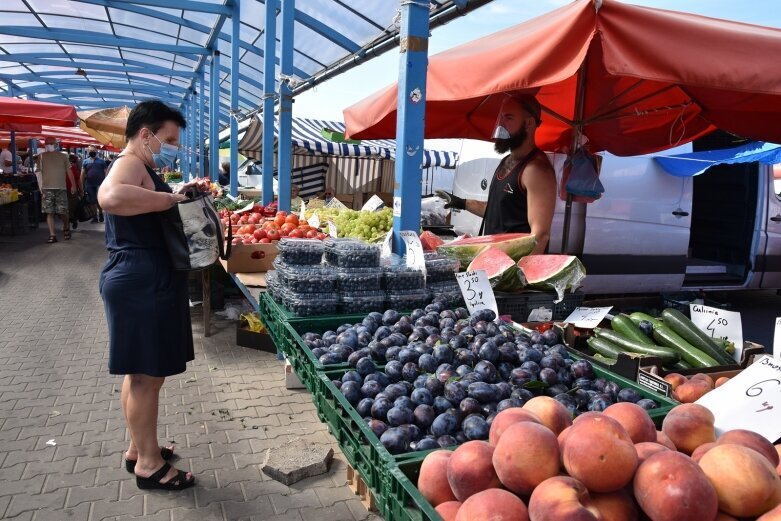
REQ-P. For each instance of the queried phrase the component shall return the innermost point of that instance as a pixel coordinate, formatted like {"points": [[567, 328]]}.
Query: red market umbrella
{"points": [[631, 79], [68, 137], [29, 116]]}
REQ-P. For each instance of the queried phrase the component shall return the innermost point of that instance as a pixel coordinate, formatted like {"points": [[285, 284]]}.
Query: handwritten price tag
{"points": [[397, 206], [332, 229], [387, 247], [477, 291], [246, 208], [748, 400], [588, 318], [718, 323], [302, 212], [777, 339], [373, 204], [314, 222], [414, 255]]}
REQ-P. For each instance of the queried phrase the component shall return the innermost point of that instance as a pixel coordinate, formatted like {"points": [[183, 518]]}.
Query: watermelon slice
{"points": [[430, 241], [556, 272], [516, 245], [502, 271]]}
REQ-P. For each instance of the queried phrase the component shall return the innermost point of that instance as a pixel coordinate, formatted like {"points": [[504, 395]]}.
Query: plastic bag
{"points": [[253, 322], [581, 178]]}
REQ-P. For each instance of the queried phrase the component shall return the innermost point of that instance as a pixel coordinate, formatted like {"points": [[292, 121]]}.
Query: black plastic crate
{"points": [[519, 305]]}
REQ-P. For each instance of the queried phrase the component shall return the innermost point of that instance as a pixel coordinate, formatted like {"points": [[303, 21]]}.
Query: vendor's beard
{"points": [[502, 146]]}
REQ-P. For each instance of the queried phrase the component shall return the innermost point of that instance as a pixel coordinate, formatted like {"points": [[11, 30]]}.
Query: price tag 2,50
{"points": [[748, 400], [414, 254], [718, 323], [477, 291]]}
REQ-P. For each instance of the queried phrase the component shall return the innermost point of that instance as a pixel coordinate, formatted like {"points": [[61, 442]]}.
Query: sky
{"points": [[329, 99]]}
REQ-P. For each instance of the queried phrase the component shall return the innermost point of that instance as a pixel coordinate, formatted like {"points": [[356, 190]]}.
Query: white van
{"points": [[653, 232]]}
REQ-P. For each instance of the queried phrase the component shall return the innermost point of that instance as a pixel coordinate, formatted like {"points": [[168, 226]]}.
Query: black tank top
{"points": [[507, 208]]}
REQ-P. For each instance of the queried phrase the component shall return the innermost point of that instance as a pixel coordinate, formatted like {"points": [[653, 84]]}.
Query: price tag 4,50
{"points": [[477, 291], [414, 254], [718, 323]]}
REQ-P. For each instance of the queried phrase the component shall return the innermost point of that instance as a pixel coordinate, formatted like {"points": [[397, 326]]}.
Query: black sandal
{"points": [[52, 239], [165, 453], [178, 482], [66, 234]]}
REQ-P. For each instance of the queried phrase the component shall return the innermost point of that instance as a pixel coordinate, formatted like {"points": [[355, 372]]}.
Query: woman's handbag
{"points": [[84, 210], [193, 234]]}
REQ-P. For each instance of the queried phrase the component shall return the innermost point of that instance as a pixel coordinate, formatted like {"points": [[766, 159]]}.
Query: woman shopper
{"points": [[146, 301]]}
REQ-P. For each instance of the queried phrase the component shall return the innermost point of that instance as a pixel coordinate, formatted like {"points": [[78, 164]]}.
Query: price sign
{"points": [[373, 204], [477, 291], [748, 400], [541, 314], [588, 318], [396, 206], [777, 339], [718, 323], [302, 212], [246, 208], [314, 222], [332, 229], [229, 196], [414, 255], [387, 247]]}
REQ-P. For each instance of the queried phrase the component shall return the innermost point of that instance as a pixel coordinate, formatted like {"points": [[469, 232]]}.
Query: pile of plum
{"points": [[447, 374]]}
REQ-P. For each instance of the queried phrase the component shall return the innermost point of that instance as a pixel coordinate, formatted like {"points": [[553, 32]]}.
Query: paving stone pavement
{"points": [[222, 413]]}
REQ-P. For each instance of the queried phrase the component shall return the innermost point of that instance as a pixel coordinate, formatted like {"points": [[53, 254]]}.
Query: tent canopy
{"points": [[29, 116], [695, 163], [651, 79], [308, 135], [106, 125], [68, 137]]}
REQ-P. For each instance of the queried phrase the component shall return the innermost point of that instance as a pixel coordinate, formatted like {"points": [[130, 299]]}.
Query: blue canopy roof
{"points": [[695, 163]]}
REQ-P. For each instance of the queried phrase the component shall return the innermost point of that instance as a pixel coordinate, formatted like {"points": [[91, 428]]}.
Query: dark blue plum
{"points": [[382, 332], [418, 334], [447, 334], [523, 395], [521, 376], [583, 369], [454, 392], [364, 407], [555, 389], [600, 402], [380, 408], [470, 406], [565, 377], [392, 353], [377, 426], [370, 389], [341, 329], [390, 317], [410, 371], [447, 323], [395, 440], [337, 383], [369, 324], [431, 329], [463, 370], [397, 339], [508, 353], [612, 389], [461, 313], [448, 313], [447, 441], [475, 427], [527, 354], [599, 384], [491, 329], [469, 378], [407, 386], [465, 356], [647, 404], [432, 340], [629, 395], [364, 337], [509, 403], [414, 432], [427, 443], [535, 337], [581, 398], [550, 337], [568, 401], [365, 366], [441, 404], [584, 383], [378, 350], [404, 326], [468, 332], [424, 416], [486, 315], [399, 416], [552, 362], [427, 363], [505, 369], [318, 352], [357, 355], [486, 370], [394, 391], [503, 390], [443, 354], [460, 437], [349, 339], [352, 376], [408, 355], [445, 372], [445, 423], [560, 350], [489, 352], [422, 396], [404, 402], [434, 386], [352, 391], [459, 341], [482, 392], [393, 370], [416, 314], [330, 359], [420, 381], [380, 378], [548, 376], [488, 408]]}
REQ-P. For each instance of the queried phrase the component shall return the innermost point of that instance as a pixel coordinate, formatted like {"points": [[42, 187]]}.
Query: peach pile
{"points": [[689, 390], [610, 466]]}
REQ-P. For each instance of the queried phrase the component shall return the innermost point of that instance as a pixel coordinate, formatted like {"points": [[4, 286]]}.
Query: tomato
{"points": [[279, 220], [234, 218], [272, 235], [265, 240], [292, 219], [236, 240], [321, 236], [259, 233], [283, 213], [296, 234], [287, 228], [271, 225], [254, 218], [256, 208], [247, 240], [253, 240], [311, 234]]}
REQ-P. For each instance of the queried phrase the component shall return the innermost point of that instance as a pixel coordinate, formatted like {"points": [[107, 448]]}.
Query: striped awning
{"points": [[310, 135]]}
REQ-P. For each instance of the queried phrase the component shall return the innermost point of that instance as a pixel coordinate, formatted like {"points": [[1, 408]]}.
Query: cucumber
{"points": [[604, 359], [686, 329], [725, 344], [666, 354], [680, 364], [624, 326], [637, 317], [690, 354], [604, 347]]}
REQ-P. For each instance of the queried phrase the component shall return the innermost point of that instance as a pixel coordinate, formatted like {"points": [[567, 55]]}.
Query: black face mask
{"points": [[503, 146], [93, 155]]}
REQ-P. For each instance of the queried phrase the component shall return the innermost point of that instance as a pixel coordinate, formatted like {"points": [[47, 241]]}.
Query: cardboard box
{"points": [[253, 340], [251, 258]]}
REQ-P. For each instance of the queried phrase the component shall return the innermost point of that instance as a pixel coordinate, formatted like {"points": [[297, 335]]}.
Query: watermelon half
{"points": [[515, 245], [430, 242], [556, 272], [503, 273]]}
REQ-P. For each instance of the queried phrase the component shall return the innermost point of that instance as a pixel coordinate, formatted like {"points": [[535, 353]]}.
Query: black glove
{"points": [[451, 201]]}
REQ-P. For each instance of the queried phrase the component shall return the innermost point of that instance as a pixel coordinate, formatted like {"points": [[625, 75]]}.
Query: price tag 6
{"points": [[314, 222], [414, 255], [373, 204], [748, 401], [332, 229], [718, 323], [777, 339], [477, 291], [588, 318]]}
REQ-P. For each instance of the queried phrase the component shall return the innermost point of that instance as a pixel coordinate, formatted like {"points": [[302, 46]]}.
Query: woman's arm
{"points": [[122, 193]]}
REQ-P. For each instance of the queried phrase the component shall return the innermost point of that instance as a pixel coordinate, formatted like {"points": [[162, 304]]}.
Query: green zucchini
{"points": [[666, 354], [686, 329], [624, 326], [725, 344], [604, 359], [693, 356], [604, 347], [680, 364], [638, 317]]}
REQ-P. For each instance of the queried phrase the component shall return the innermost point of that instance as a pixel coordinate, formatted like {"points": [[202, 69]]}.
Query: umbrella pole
{"points": [[13, 152], [578, 131]]}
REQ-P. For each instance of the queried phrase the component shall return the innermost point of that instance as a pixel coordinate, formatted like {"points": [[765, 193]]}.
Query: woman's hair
{"points": [[153, 115]]}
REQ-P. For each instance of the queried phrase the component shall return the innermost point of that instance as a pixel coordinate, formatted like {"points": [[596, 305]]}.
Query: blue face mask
{"points": [[167, 155]]}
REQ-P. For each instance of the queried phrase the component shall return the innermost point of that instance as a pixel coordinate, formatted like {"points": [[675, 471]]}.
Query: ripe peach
{"points": [[772, 515], [692, 391], [432, 481], [721, 381], [562, 438], [663, 439], [527, 455], [647, 449], [700, 451], [615, 506], [703, 377], [746, 483], [634, 419], [470, 469], [448, 510], [752, 440], [778, 451], [506, 418], [721, 516], [562, 498], [669, 486], [675, 379], [551, 412], [689, 425], [493, 504], [600, 454]]}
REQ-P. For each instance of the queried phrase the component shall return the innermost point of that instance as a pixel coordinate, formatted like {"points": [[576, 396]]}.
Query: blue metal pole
{"points": [[201, 125], [183, 163], [269, 68], [234, 142], [13, 152], [214, 117], [284, 149], [191, 134], [410, 119]]}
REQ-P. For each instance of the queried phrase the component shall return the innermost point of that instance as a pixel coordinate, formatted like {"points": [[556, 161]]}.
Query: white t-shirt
{"points": [[5, 155]]}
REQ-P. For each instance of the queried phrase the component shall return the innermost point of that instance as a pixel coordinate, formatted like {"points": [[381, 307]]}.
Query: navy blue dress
{"points": [[146, 300]]}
